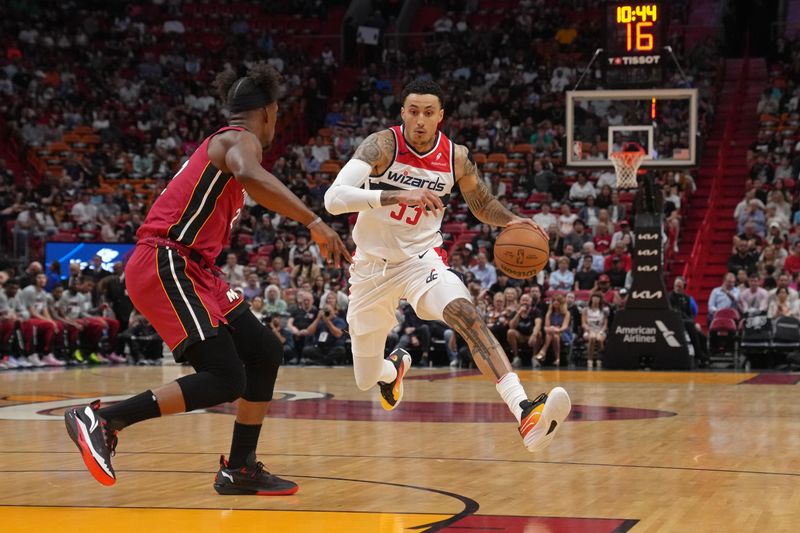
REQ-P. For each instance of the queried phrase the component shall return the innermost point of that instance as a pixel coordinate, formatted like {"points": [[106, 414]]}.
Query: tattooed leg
{"points": [[463, 317]]}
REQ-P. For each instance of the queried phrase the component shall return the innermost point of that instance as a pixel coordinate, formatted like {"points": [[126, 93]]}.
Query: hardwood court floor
{"points": [[643, 451]]}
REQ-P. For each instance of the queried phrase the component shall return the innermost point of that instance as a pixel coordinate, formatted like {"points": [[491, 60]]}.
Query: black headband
{"points": [[246, 102], [246, 95]]}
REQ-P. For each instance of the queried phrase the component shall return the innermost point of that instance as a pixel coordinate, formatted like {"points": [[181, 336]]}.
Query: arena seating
{"points": [[127, 151]]}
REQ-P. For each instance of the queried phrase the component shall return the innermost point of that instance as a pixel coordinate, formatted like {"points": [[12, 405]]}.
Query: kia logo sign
{"points": [[647, 252], [646, 295], [646, 268], [647, 237]]}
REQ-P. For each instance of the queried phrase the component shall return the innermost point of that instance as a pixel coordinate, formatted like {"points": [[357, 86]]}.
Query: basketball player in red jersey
{"points": [[399, 181], [171, 280]]}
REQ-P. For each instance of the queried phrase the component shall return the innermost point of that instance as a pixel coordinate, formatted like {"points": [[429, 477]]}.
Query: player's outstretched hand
{"points": [[330, 245], [428, 200], [520, 221]]}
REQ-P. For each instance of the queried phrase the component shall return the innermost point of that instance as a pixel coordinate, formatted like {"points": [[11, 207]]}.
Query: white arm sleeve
{"points": [[345, 194]]}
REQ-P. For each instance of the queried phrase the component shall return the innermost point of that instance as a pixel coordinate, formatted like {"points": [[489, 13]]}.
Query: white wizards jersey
{"points": [[396, 232]]}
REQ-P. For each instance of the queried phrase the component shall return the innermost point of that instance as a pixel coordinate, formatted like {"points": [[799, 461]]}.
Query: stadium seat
{"points": [[730, 313], [330, 167], [480, 159], [539, 197], [722, 336], [523, 148], [756, 334], [786, 337], [498, 158], [582, 296], [549, 293]]}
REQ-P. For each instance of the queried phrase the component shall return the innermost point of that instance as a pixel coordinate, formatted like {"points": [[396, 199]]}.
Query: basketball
{"points": [[521, 252]]}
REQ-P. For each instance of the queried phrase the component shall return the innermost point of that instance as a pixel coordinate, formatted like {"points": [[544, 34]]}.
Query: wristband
{"points": [[313, 223]]}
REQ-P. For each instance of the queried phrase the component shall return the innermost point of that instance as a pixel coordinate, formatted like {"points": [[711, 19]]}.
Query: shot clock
{"points": [[634, 43], [639, 22]]}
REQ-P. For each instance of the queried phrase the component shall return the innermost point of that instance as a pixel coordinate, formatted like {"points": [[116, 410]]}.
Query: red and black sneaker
{"points": [[97, 444], [251, 479]]}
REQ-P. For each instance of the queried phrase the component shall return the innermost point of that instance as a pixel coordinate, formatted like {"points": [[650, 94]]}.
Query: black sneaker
{"points": [[88, 431], [251, 479], [392, 393]]}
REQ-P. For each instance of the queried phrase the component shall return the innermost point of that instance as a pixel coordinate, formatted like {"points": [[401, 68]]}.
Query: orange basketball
{"points": [[521, 252]]}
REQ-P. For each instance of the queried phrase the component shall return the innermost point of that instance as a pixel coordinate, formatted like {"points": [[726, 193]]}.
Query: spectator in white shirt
{"points": [[319, 150], [566, 219], [607, 177], [233, 272], [84, 211], [614, 117], [562, 279], [483, 143], [545, 218], [560, 80], [755, 298], [581, 189]]}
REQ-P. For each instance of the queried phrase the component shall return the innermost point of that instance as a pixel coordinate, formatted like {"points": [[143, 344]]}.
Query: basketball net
{"points": [[626, 166]]}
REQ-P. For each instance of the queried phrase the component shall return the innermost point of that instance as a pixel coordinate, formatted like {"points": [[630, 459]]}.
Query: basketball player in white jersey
{"points": [[399, 181]]}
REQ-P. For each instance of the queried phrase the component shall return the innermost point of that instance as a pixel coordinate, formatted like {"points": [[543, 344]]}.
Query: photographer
{"points": [[300, 320], [415, 334], [144, 343], [326, 343], [284, 336]]}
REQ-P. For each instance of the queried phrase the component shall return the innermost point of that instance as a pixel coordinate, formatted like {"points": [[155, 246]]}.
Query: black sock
{"points": [[135, 409], [245, 440]]}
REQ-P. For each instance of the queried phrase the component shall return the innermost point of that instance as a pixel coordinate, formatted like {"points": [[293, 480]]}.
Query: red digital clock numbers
{"points": [[639, 21]]}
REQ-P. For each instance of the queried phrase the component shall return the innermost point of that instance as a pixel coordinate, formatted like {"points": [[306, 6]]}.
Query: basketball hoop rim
{"points": [[628, 158]]}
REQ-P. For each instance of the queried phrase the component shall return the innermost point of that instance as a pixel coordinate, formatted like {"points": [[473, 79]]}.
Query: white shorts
{"points": [[376, 288]]}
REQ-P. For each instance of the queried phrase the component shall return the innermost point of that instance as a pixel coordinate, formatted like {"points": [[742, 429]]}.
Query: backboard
{"points": [[663, 121]]}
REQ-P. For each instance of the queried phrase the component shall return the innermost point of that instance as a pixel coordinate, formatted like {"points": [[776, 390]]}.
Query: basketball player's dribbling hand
{"points": [[429, 200], [520, 221], [330, 245]]}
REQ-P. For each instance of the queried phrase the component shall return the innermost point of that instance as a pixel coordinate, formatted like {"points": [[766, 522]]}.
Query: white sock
{"points": [[512, 393], [389, 372], [369, 370]]}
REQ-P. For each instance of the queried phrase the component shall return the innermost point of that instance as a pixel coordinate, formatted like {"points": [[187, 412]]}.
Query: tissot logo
{"points": [[647, 236], [647, 252], [407, 179], [646, 295], [646, 268], [634, 60]]}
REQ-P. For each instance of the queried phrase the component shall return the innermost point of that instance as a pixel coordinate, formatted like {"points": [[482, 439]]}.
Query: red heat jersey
{"points": [[198, 207]]}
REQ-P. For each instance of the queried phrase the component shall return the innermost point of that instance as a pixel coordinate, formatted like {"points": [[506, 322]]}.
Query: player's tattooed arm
{"points": [[463, 317], [479, 197], [376, 150]]}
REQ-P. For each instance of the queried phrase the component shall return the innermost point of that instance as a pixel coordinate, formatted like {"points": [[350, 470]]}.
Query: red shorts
{"points": [[183, 300]]}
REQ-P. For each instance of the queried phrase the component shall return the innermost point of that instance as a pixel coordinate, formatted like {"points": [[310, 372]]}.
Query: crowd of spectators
{"points": [[764, 266], [138, 77], [82, 317]]}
